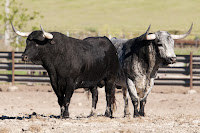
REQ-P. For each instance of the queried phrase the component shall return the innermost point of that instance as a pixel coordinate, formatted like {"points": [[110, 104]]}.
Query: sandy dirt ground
{"points": [[35, 109]]}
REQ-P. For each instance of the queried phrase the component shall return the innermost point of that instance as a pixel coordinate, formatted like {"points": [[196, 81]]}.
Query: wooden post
{"points": [[13, 67], [191, 85]]}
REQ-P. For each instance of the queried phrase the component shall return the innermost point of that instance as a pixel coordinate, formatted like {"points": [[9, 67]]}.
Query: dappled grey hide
{"points": [[165, 45], [140, 59]]}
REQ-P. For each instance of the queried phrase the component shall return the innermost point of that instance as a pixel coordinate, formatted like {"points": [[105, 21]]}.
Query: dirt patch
{"points": [[35, 109]]}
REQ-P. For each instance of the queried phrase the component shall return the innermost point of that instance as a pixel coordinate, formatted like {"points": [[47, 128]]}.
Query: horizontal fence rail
{"points": [[183, 43], [175, 74]]}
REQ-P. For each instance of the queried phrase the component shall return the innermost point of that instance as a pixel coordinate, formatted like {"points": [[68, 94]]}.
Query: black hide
{"points": [[72, 63]]}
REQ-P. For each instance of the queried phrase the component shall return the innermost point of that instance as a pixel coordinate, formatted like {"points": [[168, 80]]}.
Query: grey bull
{"points": [[140, 58]]}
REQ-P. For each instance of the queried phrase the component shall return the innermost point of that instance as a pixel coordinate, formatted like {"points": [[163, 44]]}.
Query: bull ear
{"points": [[183, 35], [24, 34], [46, 34], [146, 35]]}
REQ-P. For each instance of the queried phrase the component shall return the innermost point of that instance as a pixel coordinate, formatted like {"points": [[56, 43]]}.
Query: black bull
{"points": [[73, 63]]}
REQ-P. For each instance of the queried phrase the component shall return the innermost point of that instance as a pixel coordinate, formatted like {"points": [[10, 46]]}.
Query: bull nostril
{"points": [[173, 59], [25, 58]]}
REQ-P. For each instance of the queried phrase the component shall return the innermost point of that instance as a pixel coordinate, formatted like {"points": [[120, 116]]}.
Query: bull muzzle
{"points": [[172, 60]]}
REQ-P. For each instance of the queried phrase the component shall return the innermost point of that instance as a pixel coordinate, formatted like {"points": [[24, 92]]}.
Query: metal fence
{"points": [[186, 71]]}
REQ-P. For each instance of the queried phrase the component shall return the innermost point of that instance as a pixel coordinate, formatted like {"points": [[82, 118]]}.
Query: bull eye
{"points": [[168, 38]]}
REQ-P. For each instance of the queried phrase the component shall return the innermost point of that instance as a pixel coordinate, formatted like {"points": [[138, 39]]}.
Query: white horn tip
{"points": [[46, 34], [25, 34], [41, 28]]}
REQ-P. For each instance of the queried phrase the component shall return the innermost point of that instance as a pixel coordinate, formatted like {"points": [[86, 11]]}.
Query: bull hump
{"points": [[119, 43]]}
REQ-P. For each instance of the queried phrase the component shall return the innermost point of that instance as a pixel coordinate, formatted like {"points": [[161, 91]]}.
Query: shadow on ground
{"points": [[27, 116]]}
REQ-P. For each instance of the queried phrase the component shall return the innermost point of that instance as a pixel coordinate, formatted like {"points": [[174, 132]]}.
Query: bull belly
{"points": [[86, 84], [88, 79]]}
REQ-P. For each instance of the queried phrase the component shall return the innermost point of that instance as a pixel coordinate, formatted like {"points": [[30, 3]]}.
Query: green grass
{"points": [[186, 51], [17, 72], [115, 16]]}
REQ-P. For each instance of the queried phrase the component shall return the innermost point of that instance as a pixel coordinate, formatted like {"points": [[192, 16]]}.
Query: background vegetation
{"points": [[119, 18]]}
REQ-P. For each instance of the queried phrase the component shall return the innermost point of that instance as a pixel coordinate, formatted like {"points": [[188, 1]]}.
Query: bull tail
{"points": [[113, 101], [87, 91]]}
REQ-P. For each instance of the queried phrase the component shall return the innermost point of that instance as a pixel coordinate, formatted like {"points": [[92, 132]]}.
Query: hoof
{"points": [[92, 114], [64, 115], [108, 114], [127, 115], [142, 114], [136, 115]]}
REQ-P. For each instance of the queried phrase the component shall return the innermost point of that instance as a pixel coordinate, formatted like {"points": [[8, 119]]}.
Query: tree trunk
{"points": [[7, 24]]}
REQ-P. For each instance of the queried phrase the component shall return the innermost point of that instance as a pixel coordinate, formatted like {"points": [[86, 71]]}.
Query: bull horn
{"points": [[183, 35], [146, 35], [46, 34], [24, 34]]}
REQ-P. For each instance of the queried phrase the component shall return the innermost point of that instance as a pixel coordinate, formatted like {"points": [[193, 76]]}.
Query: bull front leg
{"points": [[142, 104], [94, 92], [144, 99], [134, 97], [60, 102], [68, 94], [57, 89], [135, 106], [125, 97], [66, 89]]}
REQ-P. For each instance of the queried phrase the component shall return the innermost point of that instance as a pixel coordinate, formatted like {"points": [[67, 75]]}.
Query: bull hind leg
{"points": [[94, 92], [142, 104], [125, 97], [110, 97]]}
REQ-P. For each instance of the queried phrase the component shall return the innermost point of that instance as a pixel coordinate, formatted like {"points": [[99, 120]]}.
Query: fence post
{"points": [[191, 64], [13, 67]]}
